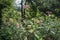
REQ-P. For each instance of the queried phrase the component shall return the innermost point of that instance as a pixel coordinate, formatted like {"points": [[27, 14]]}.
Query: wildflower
{"points": [[26, 6], [19, 25]]}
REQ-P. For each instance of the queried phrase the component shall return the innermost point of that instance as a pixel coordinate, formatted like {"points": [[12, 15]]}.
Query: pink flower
{"points": [[26, 6]]}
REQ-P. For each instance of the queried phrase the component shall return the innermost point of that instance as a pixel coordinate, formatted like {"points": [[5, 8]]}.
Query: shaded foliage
{"points": [[41, 22], [4, 4], [46, 5]]}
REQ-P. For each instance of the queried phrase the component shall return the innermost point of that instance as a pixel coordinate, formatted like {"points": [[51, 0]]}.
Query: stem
{"points": [[22, 11]]}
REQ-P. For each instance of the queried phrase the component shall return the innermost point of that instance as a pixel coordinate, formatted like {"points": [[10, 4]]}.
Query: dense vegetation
{"points": [[40, 20]]}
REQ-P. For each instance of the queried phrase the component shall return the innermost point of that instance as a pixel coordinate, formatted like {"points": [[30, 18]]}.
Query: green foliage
{"points": [[5, 3], [32, 29], [10, 15], [36, 26], [9, 33], [45, 5]]}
